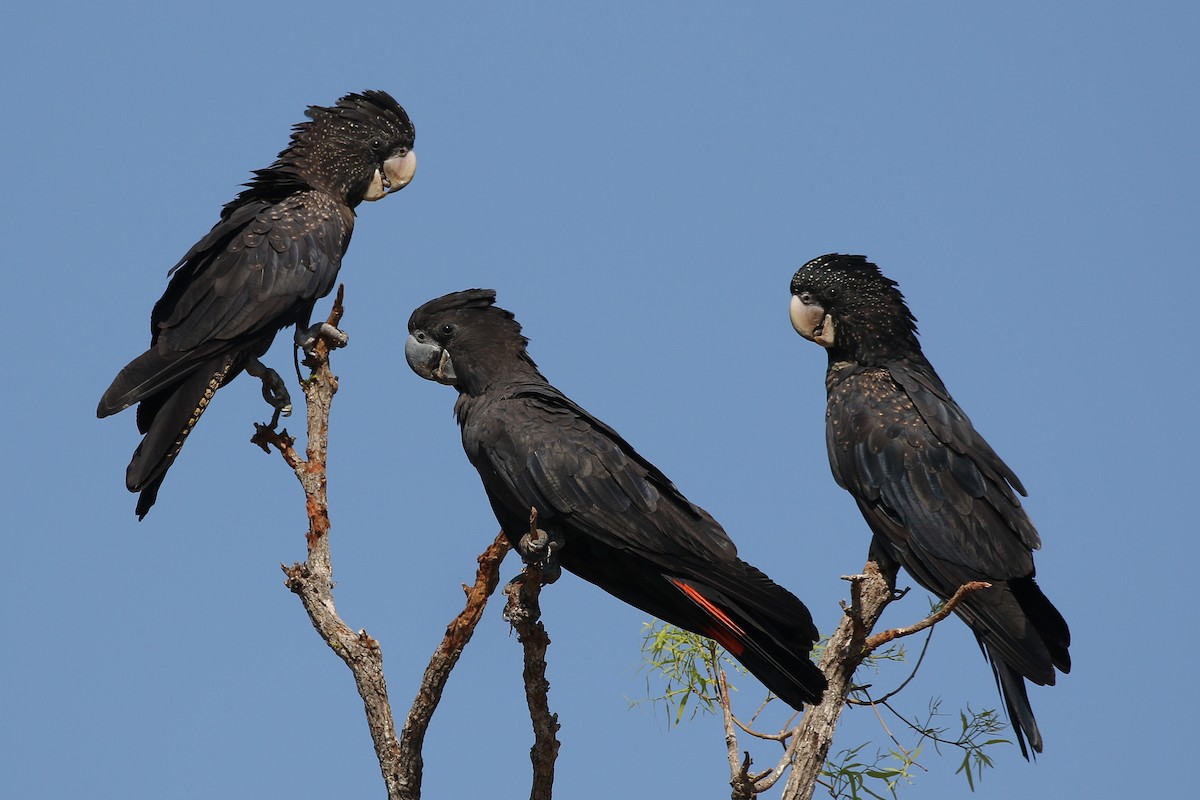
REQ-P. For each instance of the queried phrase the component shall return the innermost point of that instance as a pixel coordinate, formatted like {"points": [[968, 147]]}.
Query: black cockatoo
{"points": [[274, 252], [611, 516], [939, 500]]}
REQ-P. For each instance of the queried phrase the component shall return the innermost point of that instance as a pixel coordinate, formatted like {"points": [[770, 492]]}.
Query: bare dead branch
{"points": [[880, 639], [524, 613], [783, 736], [312, 581], [769, 778], [433, 682]]}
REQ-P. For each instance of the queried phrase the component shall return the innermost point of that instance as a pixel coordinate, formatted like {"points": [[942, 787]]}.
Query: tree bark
{"points": [[870, 593], [312, 580], [400, 760], [523, 611], [433, 682]]}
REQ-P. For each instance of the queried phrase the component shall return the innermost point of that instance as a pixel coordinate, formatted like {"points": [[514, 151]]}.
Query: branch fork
{"points": [[851, 643], [399, 758]]}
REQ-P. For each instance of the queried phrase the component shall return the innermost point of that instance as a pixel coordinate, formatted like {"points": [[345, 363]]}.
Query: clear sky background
{"points": [[638, 181]]}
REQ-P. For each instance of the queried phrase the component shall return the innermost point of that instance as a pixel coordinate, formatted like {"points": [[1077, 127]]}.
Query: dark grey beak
{"points": [[428, 359]]}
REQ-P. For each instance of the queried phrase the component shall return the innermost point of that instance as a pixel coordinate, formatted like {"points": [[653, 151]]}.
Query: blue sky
{"points": [[638, 181]]}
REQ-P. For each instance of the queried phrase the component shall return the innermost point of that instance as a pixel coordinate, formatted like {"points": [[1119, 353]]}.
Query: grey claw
{"points": [[533, 549], [542, 549], [306, 338]]}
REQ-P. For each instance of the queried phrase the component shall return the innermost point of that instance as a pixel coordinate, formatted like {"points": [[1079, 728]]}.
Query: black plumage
{"points": [[274, 252], [621, 523], [939, 500]]}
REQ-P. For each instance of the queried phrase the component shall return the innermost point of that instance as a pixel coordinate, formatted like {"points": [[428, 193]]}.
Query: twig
{"points": [[761, 707], [524, 613], [895, 633], [739, 769], [781, 737], [433, 682], [766, 780], [864, 689], [312, 581], [883, 724], [925, 732]]}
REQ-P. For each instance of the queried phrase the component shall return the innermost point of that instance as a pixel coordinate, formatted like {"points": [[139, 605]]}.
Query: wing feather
{"points": [[955, 505], [556, 457], [258, 272]]}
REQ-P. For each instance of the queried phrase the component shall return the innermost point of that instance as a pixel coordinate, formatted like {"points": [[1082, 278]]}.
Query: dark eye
{"points": [[447, 330], [376, 143], [831, 292]]}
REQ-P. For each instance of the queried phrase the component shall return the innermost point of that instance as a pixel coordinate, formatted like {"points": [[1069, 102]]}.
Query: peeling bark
{"points": [[400, 760]]}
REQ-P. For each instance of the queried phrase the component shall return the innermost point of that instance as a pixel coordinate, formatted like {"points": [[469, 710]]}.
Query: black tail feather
{"points": [[1046, 619], [791, 677], [1024, 638], [1016, 702], [166, 419], [149, 375], [763, 626]]}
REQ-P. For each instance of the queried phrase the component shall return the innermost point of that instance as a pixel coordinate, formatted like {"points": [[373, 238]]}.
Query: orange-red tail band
{"points": [[727, 636]]}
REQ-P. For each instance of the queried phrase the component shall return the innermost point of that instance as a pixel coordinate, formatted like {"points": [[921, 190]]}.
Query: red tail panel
{"points": [[726, 636]]}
